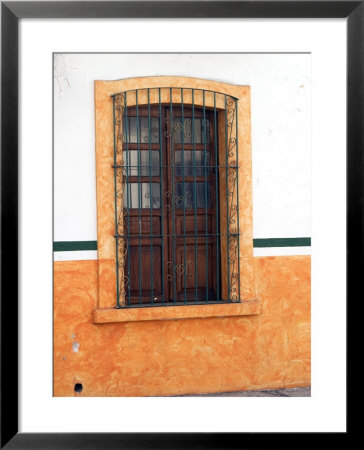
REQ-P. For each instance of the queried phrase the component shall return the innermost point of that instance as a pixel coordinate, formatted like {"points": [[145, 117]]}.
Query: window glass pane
{"points": [[131, 195], [190, 164], [185, 198], [131, 131], [145, 195], [198, 134], [202, 190], [187, 131], [130, 159], [151, 199], [205, 130], [154, 130], [187, 163]]}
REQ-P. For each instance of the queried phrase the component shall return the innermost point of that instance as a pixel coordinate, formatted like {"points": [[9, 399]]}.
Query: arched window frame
{"points": [[105, 94]]}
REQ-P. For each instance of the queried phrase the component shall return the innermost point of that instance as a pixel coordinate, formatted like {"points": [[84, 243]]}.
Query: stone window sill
{"points": [[112, 315]]}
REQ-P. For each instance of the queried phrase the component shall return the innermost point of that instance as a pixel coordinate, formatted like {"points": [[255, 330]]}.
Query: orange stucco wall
{"points": [[171, 357]]}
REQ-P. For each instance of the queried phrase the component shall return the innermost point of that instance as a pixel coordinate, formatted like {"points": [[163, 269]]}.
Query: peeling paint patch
{"points": [[75, 346]]}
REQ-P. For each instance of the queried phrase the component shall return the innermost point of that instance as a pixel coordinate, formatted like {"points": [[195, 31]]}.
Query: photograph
{"points": [[181, 213], [182, 224]]}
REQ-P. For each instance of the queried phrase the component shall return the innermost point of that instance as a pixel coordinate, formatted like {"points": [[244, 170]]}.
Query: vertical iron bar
{"points": [[194, 187], [205, 185], [161, 173], [227, 202], [173, 200], [139, 199], [127, 193], [217, 205], [150, 203], [184, 202], [116, 214], [237, 188]]}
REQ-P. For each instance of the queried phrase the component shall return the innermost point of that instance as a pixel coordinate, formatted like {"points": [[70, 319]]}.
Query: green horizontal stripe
{"points": [[71, 246], [283, 242]]}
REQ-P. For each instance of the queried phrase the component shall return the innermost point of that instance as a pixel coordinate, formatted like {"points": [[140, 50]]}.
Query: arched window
{"points": [[174, 193]]}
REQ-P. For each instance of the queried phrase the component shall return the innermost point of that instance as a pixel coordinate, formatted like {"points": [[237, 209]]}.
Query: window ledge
{"points": [[112, 315]]}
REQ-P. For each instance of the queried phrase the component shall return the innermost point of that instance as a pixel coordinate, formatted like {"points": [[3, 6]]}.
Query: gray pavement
{"points": [[293, 392]]}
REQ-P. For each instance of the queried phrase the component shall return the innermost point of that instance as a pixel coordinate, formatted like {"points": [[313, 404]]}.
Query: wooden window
{"points": [[160, 202], [170, 205]]}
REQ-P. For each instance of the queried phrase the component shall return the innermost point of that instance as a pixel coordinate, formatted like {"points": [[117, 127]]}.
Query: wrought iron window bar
{"points": [[226, 191]]}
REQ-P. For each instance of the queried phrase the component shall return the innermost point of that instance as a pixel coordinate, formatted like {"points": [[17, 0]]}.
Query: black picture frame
{"points": [[11, 12]]}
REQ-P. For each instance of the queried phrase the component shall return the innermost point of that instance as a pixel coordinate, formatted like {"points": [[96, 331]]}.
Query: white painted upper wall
{"points": [[281, 136]]}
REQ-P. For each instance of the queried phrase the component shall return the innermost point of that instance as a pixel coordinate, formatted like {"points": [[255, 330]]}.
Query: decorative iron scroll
{"points": [[179, 200], [177, 127], [121, 212], [232, 197], [154, 132], [178, 270]]}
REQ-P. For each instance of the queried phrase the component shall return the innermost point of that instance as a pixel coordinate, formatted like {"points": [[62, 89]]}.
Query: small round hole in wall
{"points": [[78, 387]]}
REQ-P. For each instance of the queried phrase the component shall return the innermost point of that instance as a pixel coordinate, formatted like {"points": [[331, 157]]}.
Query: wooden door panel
{"points": [[144, 256], [195, 209], [144, 225], [182, 248], [185, 272], [187, 225]]}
